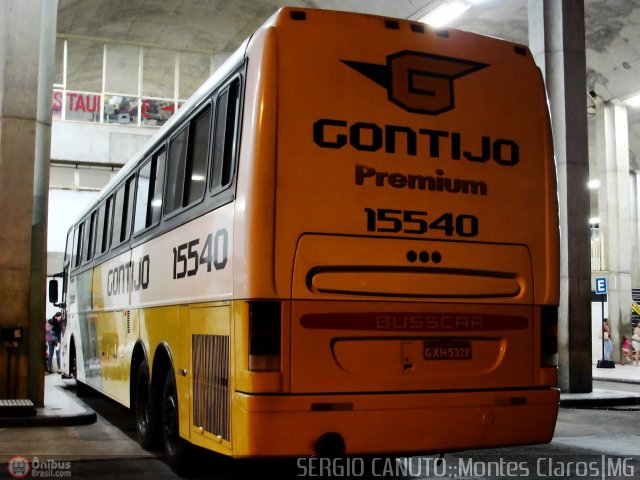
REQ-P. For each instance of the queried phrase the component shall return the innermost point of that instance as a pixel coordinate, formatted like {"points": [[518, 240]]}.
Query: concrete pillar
{"points": [[614, 210], [556, 40], [27, 37]]}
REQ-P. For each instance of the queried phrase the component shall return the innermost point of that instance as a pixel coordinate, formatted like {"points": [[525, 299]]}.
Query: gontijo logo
{"points": [[418, 82]]}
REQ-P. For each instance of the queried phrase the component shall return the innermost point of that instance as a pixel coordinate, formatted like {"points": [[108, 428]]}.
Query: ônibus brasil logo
{"points": [[18, 467], [418, 82]]}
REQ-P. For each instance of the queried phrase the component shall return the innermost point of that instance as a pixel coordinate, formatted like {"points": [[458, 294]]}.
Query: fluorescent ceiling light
{"points": [[593, 184], [445, 13], [594, 220], [633, 101]]}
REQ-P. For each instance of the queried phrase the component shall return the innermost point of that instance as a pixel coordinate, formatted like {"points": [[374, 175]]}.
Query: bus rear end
{"points": [[415, 244]]}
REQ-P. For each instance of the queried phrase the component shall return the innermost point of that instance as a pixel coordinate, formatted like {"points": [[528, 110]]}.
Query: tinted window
{"points": [[127, 223], [87, 247], [188, 158], [196, 174], [122, 214], [68, 253], [149, 195], [77, 245], [103, 233], [100, 230], [156, 199], [142, 196], [227, 111], [175, 174]]}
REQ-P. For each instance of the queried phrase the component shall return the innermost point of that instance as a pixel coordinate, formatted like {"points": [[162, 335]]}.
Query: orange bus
{"points": [[346, 242]]}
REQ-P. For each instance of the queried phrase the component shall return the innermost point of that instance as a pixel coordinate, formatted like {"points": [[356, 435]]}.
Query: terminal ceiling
{"points": [[219, 26]]}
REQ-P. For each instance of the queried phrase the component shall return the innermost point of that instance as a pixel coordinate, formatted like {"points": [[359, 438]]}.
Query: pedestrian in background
{"points": [[635, 343], [52, 337], [606, 334], [626, 350]]}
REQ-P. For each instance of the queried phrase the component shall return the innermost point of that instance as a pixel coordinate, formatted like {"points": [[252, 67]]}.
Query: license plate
{"points": [[447, 350]]}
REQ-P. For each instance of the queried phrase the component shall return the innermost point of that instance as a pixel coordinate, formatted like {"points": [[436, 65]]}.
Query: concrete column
{"points": [[556, 40], [27, 36], [614, 210]]}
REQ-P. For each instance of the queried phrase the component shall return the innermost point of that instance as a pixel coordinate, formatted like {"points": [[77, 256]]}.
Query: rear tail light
{"points": [[549, 336], [264, 336]]}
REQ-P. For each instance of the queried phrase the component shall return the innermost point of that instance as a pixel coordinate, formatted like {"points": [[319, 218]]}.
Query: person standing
{"points": [[635, 342], [53, 330], [606, 334], [626, 350]]}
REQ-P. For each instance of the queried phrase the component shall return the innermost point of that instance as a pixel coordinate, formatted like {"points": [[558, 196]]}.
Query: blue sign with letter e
{"points": [[601, 285]]}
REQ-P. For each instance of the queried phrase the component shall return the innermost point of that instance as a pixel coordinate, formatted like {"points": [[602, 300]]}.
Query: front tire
{"points": [[82, 390], [178, 450]]}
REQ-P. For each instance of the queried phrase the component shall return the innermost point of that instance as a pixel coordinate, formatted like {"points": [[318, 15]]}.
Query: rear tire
{"points": [[147, 421], [178, 450]]}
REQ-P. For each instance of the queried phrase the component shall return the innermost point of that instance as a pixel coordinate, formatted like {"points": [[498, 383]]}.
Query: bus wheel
{"points": [[73, 367], [82, 390], [147, 424], [177, 449]]}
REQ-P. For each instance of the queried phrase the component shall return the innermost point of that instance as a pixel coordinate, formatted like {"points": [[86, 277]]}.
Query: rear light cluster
{"points": [[549, 336], [264, 336]]}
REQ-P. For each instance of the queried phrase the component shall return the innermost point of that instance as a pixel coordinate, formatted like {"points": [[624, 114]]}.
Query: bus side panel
{"points": [[77, 333], [209, 385], [174, 276], [256, 193], [101, 336], [189, 264]]}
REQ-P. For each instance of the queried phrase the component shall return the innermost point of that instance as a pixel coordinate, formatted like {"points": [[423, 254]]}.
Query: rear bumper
{"points": [[393, 423]]}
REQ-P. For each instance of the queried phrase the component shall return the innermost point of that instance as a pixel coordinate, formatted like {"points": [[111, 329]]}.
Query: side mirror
{"points": [[53, 291]]}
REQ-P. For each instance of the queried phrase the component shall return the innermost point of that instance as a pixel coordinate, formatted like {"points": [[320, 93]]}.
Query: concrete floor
{"points": [[108, 447]]}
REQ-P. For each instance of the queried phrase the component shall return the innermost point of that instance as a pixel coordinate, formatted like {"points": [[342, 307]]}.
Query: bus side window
{"points": [[87, 247], [149, 192], [156, 200], [103, 228], [196, 171], [108, 224], [99, 248], [68, 253], [175, 172], [123, 210], [77, 245], [142, 196], [188, 157], [227, 111]]}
